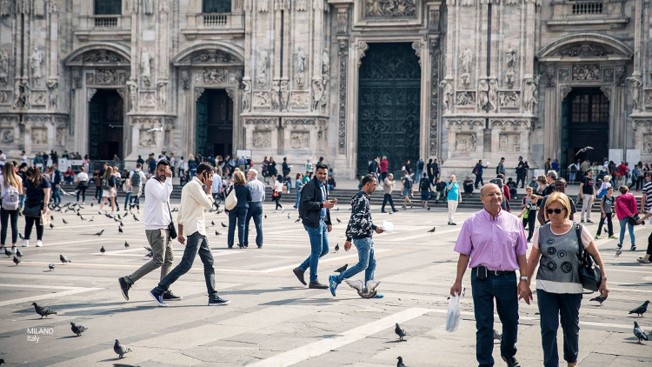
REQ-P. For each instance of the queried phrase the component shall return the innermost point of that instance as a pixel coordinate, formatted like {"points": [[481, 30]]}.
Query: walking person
{"points": [[383, 167], [587, 188], [109, 189], [195, 200], [388, 187], [314, 211], [136, 179], [646, 206], [407, 189], [11, 188], [424, 187], [278, 192], [55, 180], [521, 172], [360, 229], [452, 199], [298, 184], [606, 214], [238, 215], [478, 171], [626, 208], [559, 290], [257, 190], [493, 244], [82, 185], [37, 195], [156, 218], [529, 213]]}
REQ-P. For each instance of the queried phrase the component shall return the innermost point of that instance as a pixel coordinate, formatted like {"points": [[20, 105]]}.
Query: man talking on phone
{"points": [[314, 210], [493, 244]]}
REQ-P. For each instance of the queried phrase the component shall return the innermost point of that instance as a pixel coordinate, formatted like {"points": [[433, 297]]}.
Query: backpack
{"points": [[135, 179], [11, 199], [573, 168], [105, 184]]}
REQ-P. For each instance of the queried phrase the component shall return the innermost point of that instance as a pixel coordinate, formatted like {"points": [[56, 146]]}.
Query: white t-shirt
{"points": [[278, 186], [82, 176]]}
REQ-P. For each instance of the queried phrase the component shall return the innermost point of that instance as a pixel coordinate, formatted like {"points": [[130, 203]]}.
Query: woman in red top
{"points": [[626, 208], [383, 167]]}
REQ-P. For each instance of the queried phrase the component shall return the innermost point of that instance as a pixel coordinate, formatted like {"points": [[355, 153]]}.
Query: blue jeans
{"points": [[56, 194], [255, 211], [239, 215], [296, 202], [552, 307], [193, 242], [625, 223], [127, 200], [318, 248], [366, 261], [502, 288]]}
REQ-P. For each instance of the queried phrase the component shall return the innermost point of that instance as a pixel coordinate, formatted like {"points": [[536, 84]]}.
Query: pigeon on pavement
{"points": [[120, 230], [64, 259], [126, 244], [120, 349], [338, 220], [77, 328], [16, 260], [18, 253], [51, 267], [43, 311], [432, 230], [640, 310], [224, 225], [8, 252], [400, 332], [136, 218], [639, 333], [400, 362], [99, 233], [102, 250], [599, 298], [64, 221], [337, 247]]}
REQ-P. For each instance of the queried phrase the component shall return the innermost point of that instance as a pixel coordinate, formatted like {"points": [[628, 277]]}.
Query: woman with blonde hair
{"points": [[37, 195], [109, 188], [555, 250], [11, 188], [238, 215]]}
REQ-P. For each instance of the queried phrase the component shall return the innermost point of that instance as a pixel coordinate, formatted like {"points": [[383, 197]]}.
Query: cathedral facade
{"points": [[457, 80]]}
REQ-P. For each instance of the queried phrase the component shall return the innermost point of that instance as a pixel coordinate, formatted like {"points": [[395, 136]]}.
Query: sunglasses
{"points": [[556, 211]]}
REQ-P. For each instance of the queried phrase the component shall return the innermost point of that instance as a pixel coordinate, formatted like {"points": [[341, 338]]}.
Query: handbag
{"points": [[633, 220], [32, 211], [231, 200], [172, 230], [274, 194], [589, 271]]}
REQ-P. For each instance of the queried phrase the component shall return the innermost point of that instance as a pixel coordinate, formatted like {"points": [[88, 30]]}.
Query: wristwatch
{"points": [[523, 277]]}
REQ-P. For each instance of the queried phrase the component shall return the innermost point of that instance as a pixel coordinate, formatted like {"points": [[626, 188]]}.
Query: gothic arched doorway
{"points": [[105, 125], [214, 123]]}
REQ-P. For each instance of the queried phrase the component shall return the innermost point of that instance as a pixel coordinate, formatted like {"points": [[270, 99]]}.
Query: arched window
{"points": [[108, 7], [216, 6]]}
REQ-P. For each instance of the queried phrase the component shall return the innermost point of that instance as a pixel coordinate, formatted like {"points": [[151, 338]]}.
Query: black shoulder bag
{"points": [[172, 230], [589, 271]]}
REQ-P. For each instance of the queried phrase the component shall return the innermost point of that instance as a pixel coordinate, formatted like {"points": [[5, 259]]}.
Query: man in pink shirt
{"points": [[493, 244]]}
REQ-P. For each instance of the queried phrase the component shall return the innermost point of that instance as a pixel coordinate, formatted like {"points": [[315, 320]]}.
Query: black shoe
{"points": [[511, 361], [382, 211], [260, 246], [317, 285], [124, 287], [299, 274], [169, 296], [158, 298], [217, 301]]}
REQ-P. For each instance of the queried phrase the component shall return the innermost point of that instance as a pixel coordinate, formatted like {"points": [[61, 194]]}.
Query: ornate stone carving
{"points": [[262, 122], [447, 99], [103, 57], [263, 64], [464, 124], [7, 136], [275, 95], [317, 94], [434, 96], [300, 140], [530, 94], [145, 68], [619, 74], [198, 93], [586, 72], [510, 66], [550, 75], [342, 20], [606, 90], [262, 139], [466, 142], [35, 61], [648, 97], [586, 49], [300, 99], [148, 7], [61, 136], [90, 93], [466, 60], [76, 78], [185, 79], [635, 84], [508, 142], [564, 75], [39, 136], [284, 95], [647, 143], [509, 124], [416, 46], [162, 92], [133, 95], [343, 55], [608, 74], [362, 48], [5, 97], [53, 96], [5, 8], [483, 94], [246, 95], [390, 9], [22, 94], [261, 99], [465, 98], [213, 76], [213, 57], [39, 98], [325, 63], [509, 99], [4, 66], [147, 138], [300, 67], [148, 99], [299, 122], [300, 5]]}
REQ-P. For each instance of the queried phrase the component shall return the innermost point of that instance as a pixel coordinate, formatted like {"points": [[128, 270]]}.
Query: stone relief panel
{"points": [[262, 139], [61, 136], [465, 99], [4, 66], [648, 97], [213, 76], [509, 99], [148, 99], [300, 139], [509, 142], [39, 136], [586, 72], [390, 9], [647, 145], [147, 138], [300, 99], [101, 57], [5, 97], [213, 57], [39, 98], [608, 74], [466, 142], [261, 99], [586, 49], [263, 66], [564, 75], [7, 136]]}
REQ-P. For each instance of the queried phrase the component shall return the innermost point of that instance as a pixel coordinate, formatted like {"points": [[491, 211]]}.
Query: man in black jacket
{"points": [[314, 211]]}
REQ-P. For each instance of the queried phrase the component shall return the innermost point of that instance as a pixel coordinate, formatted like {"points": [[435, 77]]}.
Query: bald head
{"points": [[488, 187]]}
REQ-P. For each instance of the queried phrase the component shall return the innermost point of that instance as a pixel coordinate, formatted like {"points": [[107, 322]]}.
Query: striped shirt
{"points": [[647, 189]]}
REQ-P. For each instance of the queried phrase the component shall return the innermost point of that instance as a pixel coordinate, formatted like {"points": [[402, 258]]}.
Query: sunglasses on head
{"points": [[556, 211]]}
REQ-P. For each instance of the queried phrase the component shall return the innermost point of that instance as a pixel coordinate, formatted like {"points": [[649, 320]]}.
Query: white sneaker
{"points": [[39, 243], [25, 243]]}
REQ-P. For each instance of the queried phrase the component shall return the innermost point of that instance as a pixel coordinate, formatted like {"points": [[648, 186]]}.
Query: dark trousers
{"points": [[520, 178], [277, 201], [195, 243], [81, 190], [5, 216], [256, 212], [503, 289], [135, 201], [388, 199], [56, 194], [530, 223], [29, 223], [610, 226], [383, 176], [552, 308], [236, 216], [98, 193], [478, 179]]}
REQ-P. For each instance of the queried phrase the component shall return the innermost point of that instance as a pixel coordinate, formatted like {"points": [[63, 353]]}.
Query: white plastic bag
{"points": [[388, 226], [453, 316]]}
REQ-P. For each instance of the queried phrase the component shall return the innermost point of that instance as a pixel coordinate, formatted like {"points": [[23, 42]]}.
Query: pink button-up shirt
{"points": [[493, 242]]}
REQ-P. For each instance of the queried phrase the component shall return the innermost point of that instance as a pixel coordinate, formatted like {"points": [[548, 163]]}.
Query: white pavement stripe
{"points": [[333, 259], [77, 290], [324, 346]]}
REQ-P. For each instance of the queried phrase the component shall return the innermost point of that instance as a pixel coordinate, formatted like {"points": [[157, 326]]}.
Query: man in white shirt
{"points": [[82, 185], [136, 179], [156, 217], [195, 199]]}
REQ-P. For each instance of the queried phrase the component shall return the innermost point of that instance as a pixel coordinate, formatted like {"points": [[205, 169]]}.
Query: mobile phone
{"points": [[481, 272]]}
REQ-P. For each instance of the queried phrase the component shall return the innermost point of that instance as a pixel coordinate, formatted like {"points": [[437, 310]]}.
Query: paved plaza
{"points": [[273, 320]]}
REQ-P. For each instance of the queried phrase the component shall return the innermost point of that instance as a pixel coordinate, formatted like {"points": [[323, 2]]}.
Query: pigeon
{"points": [[116, 219], [265, 216], [64, 259], [224, 225], [102, 250], [497, 336], [43, 311], [122, 224], [400, 332], [51, 226], [289, 216], [588, 147], [16, 260], [217, 233], [64, 221], [51, 267], [91, 205], [8, 252], [400, 362], [18, 253], [78, 213], [92, 219], [432, 230], [99, 233], [337, 247], [338, 220], [212, 222], [599, 298], [20, 235], [341, 269], [120, 230], [149, 251], [77, 329], [51, 217], [639, 333], [640, 310], [99, 212], [119, 217], [126, 244], [120, 349], [298, 219], [136, 218]]}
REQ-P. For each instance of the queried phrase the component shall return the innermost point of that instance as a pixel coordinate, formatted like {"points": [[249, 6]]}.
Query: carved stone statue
{"points": [[5, 8], [246, 95], [145, 68], [35, 60], [275, 95], [325, 63], [635, 90], [53, 97], [530, 94], [263, 64], [317, 91], [285, 95], [493, 94], [483, 94], [447, 98], [185, 79], [161, 89], [22, 94], [510, 63], [133, 95], [300, 67], [466, 59], [4, 67]]}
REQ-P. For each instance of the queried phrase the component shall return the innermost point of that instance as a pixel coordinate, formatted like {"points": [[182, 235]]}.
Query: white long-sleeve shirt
{"points": [[191, 210], [156, 214]]}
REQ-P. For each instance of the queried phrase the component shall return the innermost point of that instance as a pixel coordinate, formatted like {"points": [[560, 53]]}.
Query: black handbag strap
{"points": [[170, 211]]}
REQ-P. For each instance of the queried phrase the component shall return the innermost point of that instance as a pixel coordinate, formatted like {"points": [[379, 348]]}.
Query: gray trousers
{"points": [[159, 241]]}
